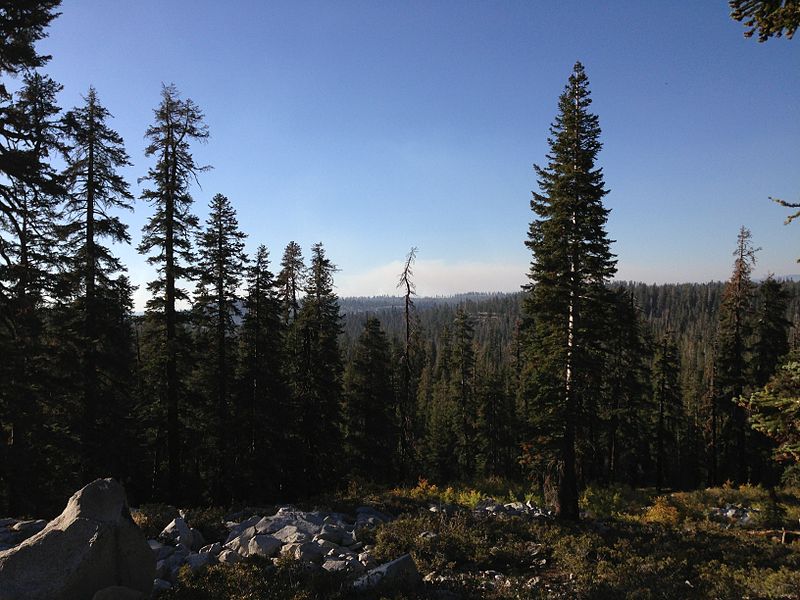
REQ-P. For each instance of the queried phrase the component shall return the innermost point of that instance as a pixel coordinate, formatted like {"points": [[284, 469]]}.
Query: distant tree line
{"points": [[256, 385]]}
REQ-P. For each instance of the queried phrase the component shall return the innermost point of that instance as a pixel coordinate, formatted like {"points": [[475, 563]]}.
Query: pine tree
{"points": [[771, 331], [735, 326], [462, 389], [169, 234], [369, 418], [220, 270], [768, 18], [667, 395], [775, 411], [567, 297], [262, 390], [95, 190], [494, 417], [22, 24], [30, 195], [315, 375], [628, 388], [291, 280]]}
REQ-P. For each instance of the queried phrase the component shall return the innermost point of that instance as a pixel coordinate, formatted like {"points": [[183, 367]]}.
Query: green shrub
{"points": [[603, 502]]}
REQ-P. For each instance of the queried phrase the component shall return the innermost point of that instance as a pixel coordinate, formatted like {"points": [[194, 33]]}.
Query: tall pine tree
{"points": [[168, 233], [567, 298], [220, 270], [732, 356], [96, 189], [316, 375], [262, 392]]}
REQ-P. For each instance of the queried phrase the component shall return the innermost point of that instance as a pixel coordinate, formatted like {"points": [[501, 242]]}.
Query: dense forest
{"points": [[247, 379]]}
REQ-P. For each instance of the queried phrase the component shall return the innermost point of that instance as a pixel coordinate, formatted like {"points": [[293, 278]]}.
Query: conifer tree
{"points": [[775, 411], [169, 233], [22, 24], [220, 269], [771, 331], [95, 190], [262, 391], [369, 419], [291, 281], [30, 195], [494, 417], [567, 298], [735, 327], [667, 395], [628, 387], [462, 388], [316, 373]]}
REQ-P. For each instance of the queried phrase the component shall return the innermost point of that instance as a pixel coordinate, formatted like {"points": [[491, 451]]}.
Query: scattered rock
{"points": [[335, 565], [214, 549], [177, 533], [263, 545], [228, 557], [402, 570], [198, 562]]}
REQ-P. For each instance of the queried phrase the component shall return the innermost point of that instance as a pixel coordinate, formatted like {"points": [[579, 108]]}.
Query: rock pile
{"points": [[489, 507], [325, 540], [733, 514]]}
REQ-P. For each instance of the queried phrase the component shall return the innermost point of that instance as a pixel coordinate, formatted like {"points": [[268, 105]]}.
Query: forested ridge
{"points": [[270, 387]]}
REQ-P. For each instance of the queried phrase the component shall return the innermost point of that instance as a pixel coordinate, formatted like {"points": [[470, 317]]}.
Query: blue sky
{"points": [[375, 126]]}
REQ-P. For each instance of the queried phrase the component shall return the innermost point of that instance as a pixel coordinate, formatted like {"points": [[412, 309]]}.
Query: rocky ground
{"points": [[721, 543]]}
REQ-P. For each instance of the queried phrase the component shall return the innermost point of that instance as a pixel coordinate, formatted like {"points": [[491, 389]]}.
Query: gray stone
{"points": [[331, 533], [366, 559], [118, 592], [198, 541], [90, 546], [239, 544], [334, 565], [400, 571], [291, 535], [428, 535], [309, 552], [309, 523], [162, 569], [160, 551], [239, 528], [228, 557], [214, 549], [263, 545], [327, 546], [177, 533], [355, 566], [198, 562]]}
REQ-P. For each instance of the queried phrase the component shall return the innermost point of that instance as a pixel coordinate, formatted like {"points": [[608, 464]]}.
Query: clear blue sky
{"points": [[375, 126]]}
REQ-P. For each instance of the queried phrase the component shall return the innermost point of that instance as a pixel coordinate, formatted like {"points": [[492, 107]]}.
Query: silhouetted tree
{"points": [[169, 233], [220, 270], [96, 189]]}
